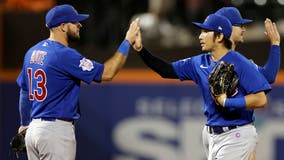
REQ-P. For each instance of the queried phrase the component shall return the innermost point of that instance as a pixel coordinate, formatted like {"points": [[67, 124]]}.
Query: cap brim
{"points": [[81, 17], [245, 21], [202, 26]]}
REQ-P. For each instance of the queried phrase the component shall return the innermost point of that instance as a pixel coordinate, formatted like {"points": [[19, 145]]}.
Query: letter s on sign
{"points": [[129, 137]]}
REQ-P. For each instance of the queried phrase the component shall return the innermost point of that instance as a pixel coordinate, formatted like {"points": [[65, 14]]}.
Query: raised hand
{"points": [[133, 30], [271, 32], [138, 42]]}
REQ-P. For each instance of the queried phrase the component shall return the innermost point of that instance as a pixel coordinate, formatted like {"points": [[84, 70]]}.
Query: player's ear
{"points": [[63, 27], [220, 37]]}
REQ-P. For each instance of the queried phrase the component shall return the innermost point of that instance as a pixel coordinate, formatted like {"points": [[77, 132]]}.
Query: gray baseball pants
{"points": [[50, 140], [236, 144]]}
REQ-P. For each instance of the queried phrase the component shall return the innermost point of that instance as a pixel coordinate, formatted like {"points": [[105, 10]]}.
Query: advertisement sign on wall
{"points": [[146, 122]]}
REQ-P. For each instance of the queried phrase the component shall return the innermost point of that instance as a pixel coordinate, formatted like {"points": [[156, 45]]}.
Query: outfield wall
{"points": [[127, 121]]}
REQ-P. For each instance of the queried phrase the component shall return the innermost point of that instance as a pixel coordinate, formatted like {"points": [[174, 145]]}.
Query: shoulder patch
{"points": [[86, 64]]}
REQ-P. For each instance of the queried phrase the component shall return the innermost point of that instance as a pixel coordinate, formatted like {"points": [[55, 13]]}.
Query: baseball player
{"points": [[50, 82], [270, 69], [230, 123]]}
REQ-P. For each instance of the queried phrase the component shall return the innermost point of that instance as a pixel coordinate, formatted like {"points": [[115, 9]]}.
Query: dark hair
{"points": [[227, 42]]}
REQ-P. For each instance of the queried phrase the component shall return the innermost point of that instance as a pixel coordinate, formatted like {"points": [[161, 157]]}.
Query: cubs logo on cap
{"points": [[216, 23], [233, 16], [63, 14]]}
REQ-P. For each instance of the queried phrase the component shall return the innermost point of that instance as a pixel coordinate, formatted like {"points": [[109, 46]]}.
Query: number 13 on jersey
{"points": [[39, 90]]}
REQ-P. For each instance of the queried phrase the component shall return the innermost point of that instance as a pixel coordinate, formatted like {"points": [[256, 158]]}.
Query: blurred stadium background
{"points": [[139, 116]]}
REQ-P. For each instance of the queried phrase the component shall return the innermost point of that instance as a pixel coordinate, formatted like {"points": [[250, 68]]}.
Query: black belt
{"points": [[54, 119], [219, 129]]}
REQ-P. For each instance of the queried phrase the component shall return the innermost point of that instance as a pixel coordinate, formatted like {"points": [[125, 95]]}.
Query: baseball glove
{"points": [[223, 79], [18, 142]]}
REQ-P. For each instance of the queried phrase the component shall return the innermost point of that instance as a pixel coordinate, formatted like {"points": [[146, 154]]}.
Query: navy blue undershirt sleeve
{"points": [[164, 69]]}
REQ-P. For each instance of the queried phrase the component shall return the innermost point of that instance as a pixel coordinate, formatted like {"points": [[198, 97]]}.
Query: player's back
{"points": [[51, 87]]}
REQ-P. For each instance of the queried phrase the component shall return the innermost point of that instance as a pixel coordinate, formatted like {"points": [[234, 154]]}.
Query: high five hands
{"points": [[133, 35], [137, 46], [133, 31]]}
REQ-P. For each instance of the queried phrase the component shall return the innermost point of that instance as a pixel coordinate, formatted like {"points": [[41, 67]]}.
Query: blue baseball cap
{"points": [[233, 15], [217, 23], [63, 14]]}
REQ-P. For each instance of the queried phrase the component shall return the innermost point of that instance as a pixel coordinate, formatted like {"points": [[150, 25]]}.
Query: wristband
{"points": [[124, 47], [238, 103]]}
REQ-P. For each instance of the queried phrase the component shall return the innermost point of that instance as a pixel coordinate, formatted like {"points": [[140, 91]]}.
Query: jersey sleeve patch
{"points": [[86, 64]]}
